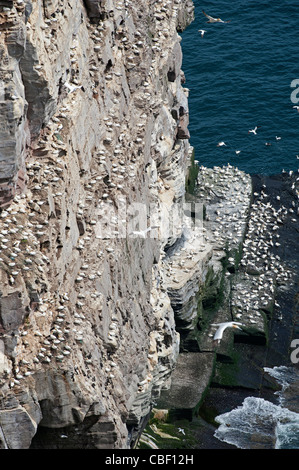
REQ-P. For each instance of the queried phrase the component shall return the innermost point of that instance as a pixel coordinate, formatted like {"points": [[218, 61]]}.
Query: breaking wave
{"points": [[260, 424]]}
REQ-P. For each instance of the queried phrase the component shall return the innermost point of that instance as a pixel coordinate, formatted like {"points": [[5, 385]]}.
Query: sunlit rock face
{"points": [[94, 146]]}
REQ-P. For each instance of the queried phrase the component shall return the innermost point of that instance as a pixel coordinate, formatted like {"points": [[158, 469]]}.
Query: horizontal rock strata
{"points": [[248, 226], [110, 274], [94, 131]]}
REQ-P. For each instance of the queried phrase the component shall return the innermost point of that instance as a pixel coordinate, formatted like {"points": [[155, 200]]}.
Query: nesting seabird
{"points": [[142, 233], [71, 87]]}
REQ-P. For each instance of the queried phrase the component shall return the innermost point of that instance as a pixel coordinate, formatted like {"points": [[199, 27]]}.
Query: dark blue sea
{"points": [[240, 75], [244, 74]]}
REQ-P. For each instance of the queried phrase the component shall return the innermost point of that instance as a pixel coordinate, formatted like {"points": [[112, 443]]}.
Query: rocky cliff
{"points": [[94, 151]]}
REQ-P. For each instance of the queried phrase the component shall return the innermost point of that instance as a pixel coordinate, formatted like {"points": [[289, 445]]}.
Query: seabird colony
{"points": [[248, 231], [226, 191], [24, 225], [263, 270]]}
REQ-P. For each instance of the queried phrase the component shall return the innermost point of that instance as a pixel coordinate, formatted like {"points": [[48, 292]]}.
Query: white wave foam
{"points": [[283, 374], [286, 377], [287, 435], [259, 423]]}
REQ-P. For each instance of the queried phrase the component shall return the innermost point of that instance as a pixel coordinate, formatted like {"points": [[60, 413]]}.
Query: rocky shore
{"points": [[261, 292]]}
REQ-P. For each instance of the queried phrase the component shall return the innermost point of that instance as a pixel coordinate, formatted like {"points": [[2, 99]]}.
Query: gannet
{"points": [[202, 32], [142, 233], [214, 20], [72, 87], [220, 144], [254, 130], [222, 326], [238, 151]]}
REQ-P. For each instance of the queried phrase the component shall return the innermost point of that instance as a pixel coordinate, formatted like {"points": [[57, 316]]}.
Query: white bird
{"points": [[277, 138], [222, 326], [142, 233], [296, 107], [220, 144], [202, 32], [72, 87], [238, 151], [254, 130], [214, 20]]}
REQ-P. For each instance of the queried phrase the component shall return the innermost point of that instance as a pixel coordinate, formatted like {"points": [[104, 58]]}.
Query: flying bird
{"points": [[222, 327], [142, 233], [202, 32], [214, 20], [254, 130]]}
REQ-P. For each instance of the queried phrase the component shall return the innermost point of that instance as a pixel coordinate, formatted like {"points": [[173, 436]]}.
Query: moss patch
{"points": [[176, 435], [192, 175], [226, 371]]}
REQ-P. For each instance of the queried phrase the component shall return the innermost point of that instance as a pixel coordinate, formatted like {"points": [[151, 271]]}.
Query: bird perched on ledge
{"points": [[72, 87], [222, 327]]}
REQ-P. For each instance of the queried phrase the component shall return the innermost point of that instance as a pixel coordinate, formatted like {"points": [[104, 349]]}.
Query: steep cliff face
{"points": [[94, 149]]}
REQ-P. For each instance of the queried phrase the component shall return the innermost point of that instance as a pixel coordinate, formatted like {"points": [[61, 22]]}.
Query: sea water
{"points": [[287, 430], [240, 75], [259, 423]]}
